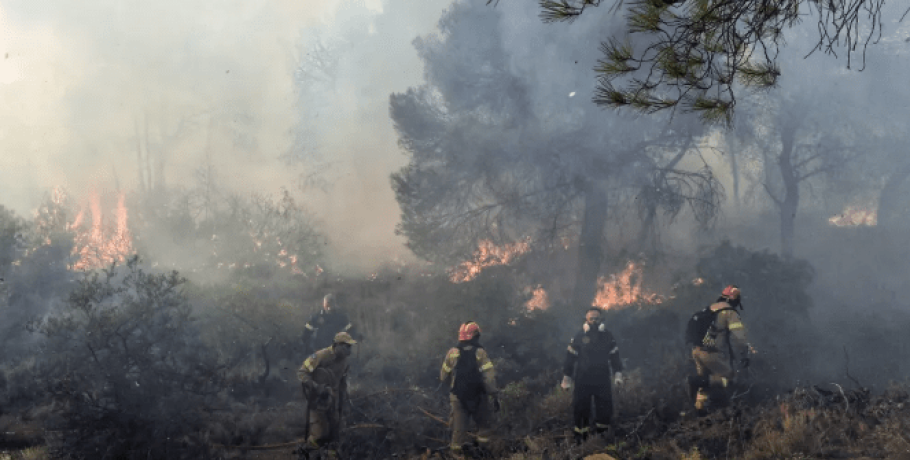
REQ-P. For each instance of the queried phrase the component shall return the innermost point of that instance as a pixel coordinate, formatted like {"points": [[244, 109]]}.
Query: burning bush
{"points": [[123, 364]]}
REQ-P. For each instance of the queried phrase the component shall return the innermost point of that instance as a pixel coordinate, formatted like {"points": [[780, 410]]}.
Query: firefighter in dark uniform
{"points": [[592, 364], [472, 380], [323, 326]]}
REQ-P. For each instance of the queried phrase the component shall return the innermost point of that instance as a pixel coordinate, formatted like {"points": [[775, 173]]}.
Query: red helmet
{"points": [[468, 331], [730, 292]]}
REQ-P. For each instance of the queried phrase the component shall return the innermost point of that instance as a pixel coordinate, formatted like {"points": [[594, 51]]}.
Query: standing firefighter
{"points": [[473, 379], [716, 335], [592, 364], [323, 326], [324, 379]]}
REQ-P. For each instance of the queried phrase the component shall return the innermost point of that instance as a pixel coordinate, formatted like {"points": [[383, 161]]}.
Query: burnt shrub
{"points": [[122, 362]]}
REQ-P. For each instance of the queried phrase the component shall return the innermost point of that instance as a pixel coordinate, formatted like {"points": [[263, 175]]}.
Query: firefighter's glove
{"points": [[617, 379], [566, 382], [496, 405]]}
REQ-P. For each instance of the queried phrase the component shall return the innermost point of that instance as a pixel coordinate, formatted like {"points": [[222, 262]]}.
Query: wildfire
{"points": [[539, 299], [854, 216], [101, 244], [623, 289], [488, 255]]}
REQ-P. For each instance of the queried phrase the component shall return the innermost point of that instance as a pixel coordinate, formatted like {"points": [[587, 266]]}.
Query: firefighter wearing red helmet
{"points": [[472, 379], [713, 361]]}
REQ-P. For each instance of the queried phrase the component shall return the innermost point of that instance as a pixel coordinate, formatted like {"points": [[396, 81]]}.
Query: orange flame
{"points": [[488, 255], [855, 216], [623, 289], [101, 245], [539, 299]]}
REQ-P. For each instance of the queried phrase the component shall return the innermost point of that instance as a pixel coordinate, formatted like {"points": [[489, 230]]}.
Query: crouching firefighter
{"points": [[592, 364], [717, 335], [324, 379], [473, 379]]}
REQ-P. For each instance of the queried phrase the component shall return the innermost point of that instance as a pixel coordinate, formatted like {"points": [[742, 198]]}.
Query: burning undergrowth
{"points": [[142, 364]]}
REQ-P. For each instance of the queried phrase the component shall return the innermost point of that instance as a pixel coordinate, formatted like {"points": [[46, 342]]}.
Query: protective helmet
{"points": [[730, 292], [344, 337], [329, 300], [468, 331]]}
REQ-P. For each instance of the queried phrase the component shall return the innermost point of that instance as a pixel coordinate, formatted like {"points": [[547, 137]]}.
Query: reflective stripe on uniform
{"points": [[487, 366], [310, 327], [309, 364], [572, 350], [445, 367], [602, 425], [348, 327], [614, 350], [736, 325], [581, 430]]}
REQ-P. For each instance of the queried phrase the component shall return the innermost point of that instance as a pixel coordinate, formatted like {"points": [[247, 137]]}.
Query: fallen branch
{"points": [[846, 402], [433, 416]]}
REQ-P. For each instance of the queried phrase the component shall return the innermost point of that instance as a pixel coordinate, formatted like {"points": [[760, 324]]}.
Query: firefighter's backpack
{"points": [[700, 329], [468, 385]]}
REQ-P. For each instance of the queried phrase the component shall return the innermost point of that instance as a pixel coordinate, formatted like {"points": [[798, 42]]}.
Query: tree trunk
{"points": [[790, 202], [590, 244], [888, 198], [734, 171]]}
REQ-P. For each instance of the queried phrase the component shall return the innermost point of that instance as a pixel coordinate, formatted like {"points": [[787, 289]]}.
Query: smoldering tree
{"points": [[692, 55], [493, 156], [123, 361], [803, 139], [255, 233]]}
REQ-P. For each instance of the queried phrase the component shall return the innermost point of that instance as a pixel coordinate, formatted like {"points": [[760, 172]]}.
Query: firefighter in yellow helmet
{"points": [[324, 379], [472, 378], [724, 339]]}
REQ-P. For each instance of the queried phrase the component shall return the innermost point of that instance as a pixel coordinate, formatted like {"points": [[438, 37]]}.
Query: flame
{"points": [[623, 289], [488, 255], [855, 216], [101, 245], [539, 299]]}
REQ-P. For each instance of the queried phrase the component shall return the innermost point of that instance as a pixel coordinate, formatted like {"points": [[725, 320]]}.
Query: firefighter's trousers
{"points": [[602, 395], [324, 427], [714, 368], [460, 415]]}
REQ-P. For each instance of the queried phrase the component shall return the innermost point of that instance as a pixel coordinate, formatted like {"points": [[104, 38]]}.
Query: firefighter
{"points": [[725, 340], [473, 379], [324, 379], [323, 326], [592, 364]]}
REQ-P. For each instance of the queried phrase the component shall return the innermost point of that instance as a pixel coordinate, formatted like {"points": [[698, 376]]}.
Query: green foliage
{"points": [[122, 357], [691, 52]]}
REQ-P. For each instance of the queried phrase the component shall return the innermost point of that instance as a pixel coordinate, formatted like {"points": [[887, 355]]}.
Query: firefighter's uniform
{"points": [[478, 409], [591, 361], [323, 326], [713, 361], [328, 371]]}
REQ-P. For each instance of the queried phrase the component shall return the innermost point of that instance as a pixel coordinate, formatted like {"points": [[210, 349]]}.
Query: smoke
{"points": [[107, 95]]}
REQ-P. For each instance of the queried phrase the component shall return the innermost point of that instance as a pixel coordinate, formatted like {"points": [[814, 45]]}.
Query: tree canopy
{"points": [[693, 55]]}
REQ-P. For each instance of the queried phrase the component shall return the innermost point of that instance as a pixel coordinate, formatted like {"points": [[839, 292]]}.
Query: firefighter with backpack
{"points": [[473, 378], [717, 336]]}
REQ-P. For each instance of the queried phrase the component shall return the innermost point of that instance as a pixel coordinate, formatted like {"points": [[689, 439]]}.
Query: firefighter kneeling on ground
{"points": [[592, 364], [324, 379], [472, 380], [718, 333]]}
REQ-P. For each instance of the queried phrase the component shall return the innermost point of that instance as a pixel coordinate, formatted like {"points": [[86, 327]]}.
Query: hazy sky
{"points": [[78, 78]]}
